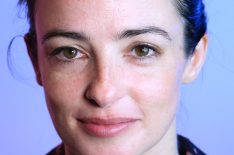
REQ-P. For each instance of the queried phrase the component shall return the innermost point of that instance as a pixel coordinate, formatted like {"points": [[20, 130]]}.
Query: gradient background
{"points": [[206, 115]]}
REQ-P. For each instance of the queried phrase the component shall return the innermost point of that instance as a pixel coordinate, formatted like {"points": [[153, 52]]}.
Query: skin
{"points": [[107, 79]]}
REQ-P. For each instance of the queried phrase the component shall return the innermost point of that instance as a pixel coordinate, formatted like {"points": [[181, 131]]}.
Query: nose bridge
{"points": [[107, 72], [104, 87], [105, 63]]}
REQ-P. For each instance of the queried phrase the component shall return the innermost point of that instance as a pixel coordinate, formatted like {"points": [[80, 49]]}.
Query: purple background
{"points": [[206, 115]]}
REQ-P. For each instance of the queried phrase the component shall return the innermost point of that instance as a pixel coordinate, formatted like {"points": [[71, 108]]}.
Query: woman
{"points": [[112, 71]]}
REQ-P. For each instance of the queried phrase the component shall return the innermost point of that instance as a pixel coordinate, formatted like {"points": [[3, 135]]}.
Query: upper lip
{"points": [[106, 121]]}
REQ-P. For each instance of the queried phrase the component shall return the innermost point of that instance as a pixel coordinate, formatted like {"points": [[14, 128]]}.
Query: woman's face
{"points": [[111, 71]]}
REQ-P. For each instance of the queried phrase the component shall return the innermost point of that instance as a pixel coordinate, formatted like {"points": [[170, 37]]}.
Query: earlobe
{"points": [[33, 56], [196, 61]]}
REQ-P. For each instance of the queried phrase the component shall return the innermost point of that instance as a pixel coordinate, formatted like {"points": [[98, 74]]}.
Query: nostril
{"points": [[93, 102], [90, 99]]}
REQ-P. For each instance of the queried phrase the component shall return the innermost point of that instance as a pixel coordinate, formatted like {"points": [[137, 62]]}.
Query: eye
{"points": [[68, 53], [144, 51]]}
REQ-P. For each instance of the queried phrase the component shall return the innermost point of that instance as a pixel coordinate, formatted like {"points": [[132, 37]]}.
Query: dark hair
{"points": [[192, 12], [195, 22]]}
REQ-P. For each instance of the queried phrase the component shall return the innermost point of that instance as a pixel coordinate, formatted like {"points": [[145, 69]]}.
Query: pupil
{"points": [[142, 51], [70, 53]]}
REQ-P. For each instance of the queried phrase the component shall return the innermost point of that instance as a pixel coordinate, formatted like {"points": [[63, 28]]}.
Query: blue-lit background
{"points": [[206, 115]]}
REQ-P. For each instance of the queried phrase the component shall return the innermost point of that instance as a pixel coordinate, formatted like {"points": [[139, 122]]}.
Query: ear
{"points": [[31, 48], [196, 61]]}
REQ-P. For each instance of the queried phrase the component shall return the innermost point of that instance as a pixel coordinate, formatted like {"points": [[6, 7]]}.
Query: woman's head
{"points": [[112, 70]]}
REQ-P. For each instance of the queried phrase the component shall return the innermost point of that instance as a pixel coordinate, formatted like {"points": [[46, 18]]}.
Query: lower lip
{"points": [[106, 130]]}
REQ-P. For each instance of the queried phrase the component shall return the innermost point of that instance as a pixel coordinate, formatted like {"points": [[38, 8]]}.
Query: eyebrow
{"points": [[149, 29], [66, 34], [124, 34]]}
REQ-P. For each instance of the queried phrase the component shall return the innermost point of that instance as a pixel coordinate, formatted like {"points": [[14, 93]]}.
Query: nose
{"points": [[105, 86]]}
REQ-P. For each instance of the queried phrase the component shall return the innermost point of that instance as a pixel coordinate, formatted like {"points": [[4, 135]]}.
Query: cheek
{"points": [[157, 89], [157, 97], [64, 95], [63, 92], [63, 84]]}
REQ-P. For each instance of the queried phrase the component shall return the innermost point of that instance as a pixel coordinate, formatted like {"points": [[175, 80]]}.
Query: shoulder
{"points": [[186, 147], [59, 150]]}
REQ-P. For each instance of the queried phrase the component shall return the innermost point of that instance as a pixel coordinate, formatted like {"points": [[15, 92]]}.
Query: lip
{"points": [[100, 127]]}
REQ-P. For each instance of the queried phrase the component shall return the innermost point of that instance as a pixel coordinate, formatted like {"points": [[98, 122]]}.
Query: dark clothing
{"points": [[185, 147], [59, 150]]}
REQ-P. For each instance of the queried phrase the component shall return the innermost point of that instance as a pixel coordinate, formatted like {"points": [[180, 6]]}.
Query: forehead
{"points": [[96, 16]]}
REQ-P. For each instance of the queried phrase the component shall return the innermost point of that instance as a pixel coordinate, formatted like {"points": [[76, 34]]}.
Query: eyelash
{"points": [[60, 53], [153, 52]]}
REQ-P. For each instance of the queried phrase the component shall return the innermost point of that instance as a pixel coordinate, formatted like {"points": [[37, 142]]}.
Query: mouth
{"points": [[100, 127]]}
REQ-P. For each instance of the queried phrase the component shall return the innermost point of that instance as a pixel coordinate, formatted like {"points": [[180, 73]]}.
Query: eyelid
{"points": [[58, 52], [153, 47], [59, 49]]}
